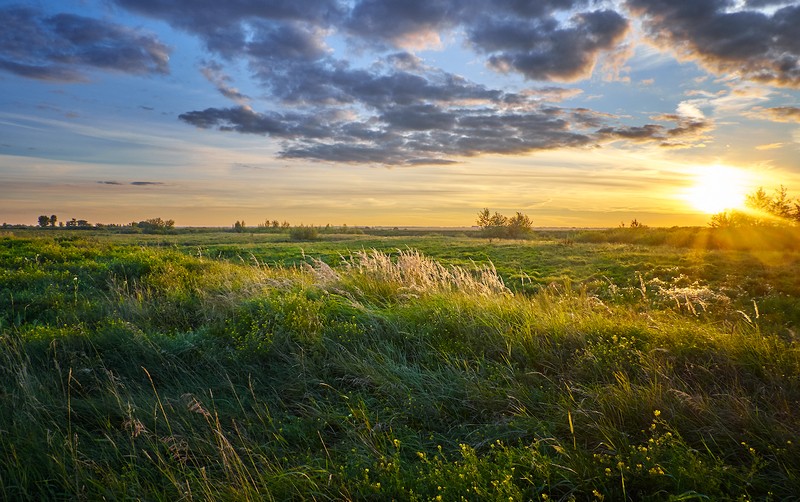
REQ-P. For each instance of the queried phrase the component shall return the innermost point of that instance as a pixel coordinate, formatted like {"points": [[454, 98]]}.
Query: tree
{"points": [[518, 225], [762, 209], [53, 220], [779, 205], [304, 233], [731, 219], [238, 226], [44, 221], [497, 225], [155, 225]]}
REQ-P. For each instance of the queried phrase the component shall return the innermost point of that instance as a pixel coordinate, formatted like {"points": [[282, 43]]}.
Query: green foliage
{"points": [[304, 233], [131, 367], [497, 225], [155, 226]]}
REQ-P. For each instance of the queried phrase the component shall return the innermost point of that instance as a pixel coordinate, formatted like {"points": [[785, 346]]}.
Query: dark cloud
{"points": [[403, 23], [225, 26], [134, 183], [286, 41], [395, 109], [685, 131], [758, 46], [62, 47], [244, 120], [543, 49], [430, 134]]}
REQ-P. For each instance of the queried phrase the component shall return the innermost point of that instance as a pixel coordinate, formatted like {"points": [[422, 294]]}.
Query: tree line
{"points": [[152, 225]]}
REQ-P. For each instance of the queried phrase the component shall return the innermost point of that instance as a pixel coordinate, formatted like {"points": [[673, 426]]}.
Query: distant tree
{"points": [[493, 225], [44, 221], [731, 219], [497, 225], [276, 224], [636, 224], [304, 233], [518, 225], [155, 225], [285, 225], [239, 226], [53, 219]]}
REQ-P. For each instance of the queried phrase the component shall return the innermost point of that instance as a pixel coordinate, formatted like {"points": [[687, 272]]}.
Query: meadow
{"points": [[639, 364]]}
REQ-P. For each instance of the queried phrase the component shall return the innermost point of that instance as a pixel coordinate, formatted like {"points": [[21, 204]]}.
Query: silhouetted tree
{"points": [[44, 221], [53, 219], [762, 209]]}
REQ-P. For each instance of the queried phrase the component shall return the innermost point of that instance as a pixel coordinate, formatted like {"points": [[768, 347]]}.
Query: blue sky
{"points": [[413, 112]]}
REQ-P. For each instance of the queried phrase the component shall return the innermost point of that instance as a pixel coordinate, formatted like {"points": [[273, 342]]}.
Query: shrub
{"points": [[304, 233]]}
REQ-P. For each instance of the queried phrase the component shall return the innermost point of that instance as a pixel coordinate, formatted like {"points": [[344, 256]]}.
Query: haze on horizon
{"points": [[402, 112]]}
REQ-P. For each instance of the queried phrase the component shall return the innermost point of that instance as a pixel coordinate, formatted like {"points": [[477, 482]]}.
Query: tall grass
{"points": [[164, 376]]}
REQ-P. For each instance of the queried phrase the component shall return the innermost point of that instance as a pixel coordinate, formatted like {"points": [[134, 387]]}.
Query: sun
{"points": [[718, 188]]}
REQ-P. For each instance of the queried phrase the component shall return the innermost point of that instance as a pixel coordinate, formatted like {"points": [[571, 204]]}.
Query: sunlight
{"points": [[717, 188]]}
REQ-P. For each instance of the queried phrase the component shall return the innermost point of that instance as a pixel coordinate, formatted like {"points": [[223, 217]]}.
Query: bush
{"points": [[304, 233]]}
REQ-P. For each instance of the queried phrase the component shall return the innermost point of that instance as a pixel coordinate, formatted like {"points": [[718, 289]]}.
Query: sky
{"points": [[578, 113]]}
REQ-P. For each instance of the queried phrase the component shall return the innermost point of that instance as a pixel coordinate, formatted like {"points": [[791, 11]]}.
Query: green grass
{"points": [[235, 366]]}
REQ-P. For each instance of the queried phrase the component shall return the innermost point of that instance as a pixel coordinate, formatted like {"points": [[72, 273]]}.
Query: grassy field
{"points": [[237, 366]]}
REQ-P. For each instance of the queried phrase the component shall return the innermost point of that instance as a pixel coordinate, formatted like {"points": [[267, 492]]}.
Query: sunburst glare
{"points": [[717, 188]]}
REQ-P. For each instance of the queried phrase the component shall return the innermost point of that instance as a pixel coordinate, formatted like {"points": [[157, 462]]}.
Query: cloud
{"points": [[777, 114], [226, 27], [388, 106], [63, 47], [770, 146], [414, 134], [686, 131], [756, 45], [543, 49], [214, 73], [134, 183]]}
